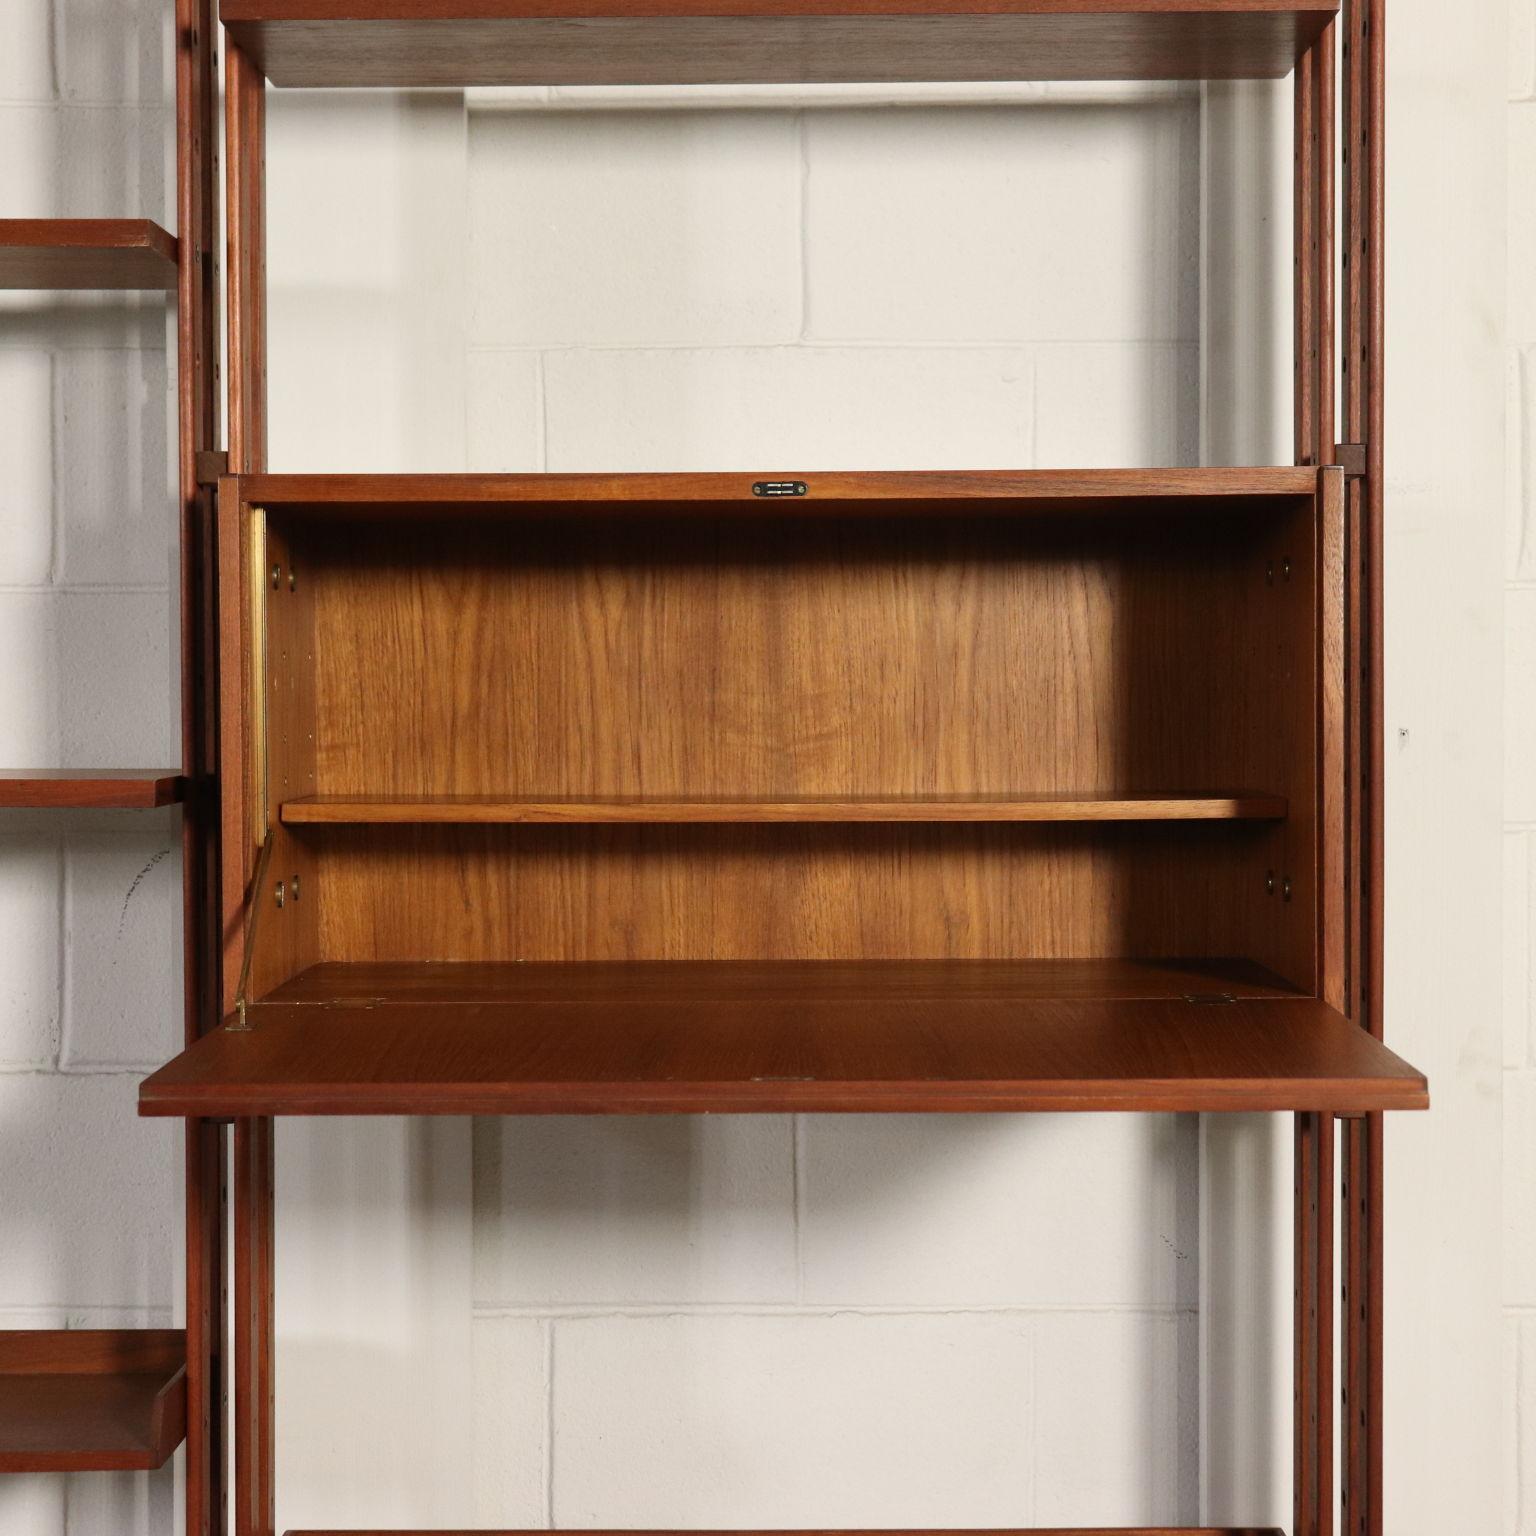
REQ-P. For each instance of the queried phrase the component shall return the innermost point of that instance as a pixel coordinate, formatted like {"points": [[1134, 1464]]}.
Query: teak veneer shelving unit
{"points": [[116, 1400], [783, 791]]}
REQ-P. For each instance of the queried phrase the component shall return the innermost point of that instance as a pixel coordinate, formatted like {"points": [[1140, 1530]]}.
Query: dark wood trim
{"points": [[255, 1505]]}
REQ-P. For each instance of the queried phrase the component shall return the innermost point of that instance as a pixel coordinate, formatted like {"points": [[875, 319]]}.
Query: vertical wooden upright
{"points": [[197, 439], [1361, 373], [245, 201]]}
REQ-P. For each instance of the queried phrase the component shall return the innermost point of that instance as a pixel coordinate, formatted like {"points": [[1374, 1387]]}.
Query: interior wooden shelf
{"points": [[123, 789], [91, 1400], [347, 810], [662, 1037], [86, 253], [1008, 492], [677, 42], [1094, 1530]]}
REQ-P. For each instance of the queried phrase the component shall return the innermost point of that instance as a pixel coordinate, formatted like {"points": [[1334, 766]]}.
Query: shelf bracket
{"points": [[210, 466], [253, 910], [1350, 457]]}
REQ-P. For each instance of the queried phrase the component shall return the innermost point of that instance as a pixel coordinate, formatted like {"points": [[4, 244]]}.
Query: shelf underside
{"points": [[86, 253], [123, 789], [91, 1400], [680, 42], [839, 493], [1095, 1530], [661, 1037], [462, 810]]}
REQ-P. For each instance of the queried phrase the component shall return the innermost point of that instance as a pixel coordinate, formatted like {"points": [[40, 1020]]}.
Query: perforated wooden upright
{"points": [[901, 792]]}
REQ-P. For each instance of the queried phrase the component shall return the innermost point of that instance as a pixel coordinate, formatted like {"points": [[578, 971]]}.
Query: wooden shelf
{"points": [[123, 789], [1094, 1530], [673, 42], [459, 810], [843, 493], [91, 1400], [725, 1037], [86, 253]]}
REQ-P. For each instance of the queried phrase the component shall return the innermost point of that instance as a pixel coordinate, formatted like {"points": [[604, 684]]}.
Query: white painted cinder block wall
{"points": [[826, 1321]]}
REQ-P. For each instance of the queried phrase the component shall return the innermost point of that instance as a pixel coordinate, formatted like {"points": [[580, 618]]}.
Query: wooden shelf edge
{"points": [[122, 789], [91, 1400], [546, 1038], [1087, 1530], [87, 253], [319, 43], [460, 810], [930, 492]]}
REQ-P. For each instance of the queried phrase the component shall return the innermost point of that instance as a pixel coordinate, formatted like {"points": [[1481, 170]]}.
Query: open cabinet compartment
{"points": [[544, 716]]}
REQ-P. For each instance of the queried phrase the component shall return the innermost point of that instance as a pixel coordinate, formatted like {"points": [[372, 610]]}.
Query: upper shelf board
{"points": [[86, 253], [91, 1400], [843, 493], [468, 810], [787, 1038], [110, 789], [732, 42]]}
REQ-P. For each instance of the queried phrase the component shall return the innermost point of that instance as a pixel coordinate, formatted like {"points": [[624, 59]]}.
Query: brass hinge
{"points": [[252, 910], [1350, 457]]}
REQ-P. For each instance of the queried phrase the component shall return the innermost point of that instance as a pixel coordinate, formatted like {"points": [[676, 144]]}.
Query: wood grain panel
{"points": [[86, 253], [785, 892], [787, 1055], [605, 42]]}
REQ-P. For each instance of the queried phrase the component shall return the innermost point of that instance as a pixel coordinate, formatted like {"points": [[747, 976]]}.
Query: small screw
{"points": [[1285, 567], [1269, 882], [277, 577], [295, 884], [1285, 889], [280, 893], [1269, 572], [293, 580]]}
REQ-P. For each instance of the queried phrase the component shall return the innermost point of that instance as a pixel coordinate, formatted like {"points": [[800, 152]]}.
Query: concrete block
{"points": [[1059, 222], [760, 1422], [31, 887], [122, 926], [1110, 406], [674, 1209], [511, 1388], [1519, 1188], [114, 468], [774, 410], [1116, 1440], [505, 431], [26, 451], [88, 1197], [634, 228], [988, 1210]]}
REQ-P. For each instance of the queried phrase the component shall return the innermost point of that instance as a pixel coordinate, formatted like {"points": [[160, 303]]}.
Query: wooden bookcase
{"points": [[782, 790], [116, 1400]]}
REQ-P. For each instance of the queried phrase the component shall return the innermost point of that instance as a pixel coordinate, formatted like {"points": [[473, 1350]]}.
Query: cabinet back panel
{"points": [[842, 658], [788, 893]]}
